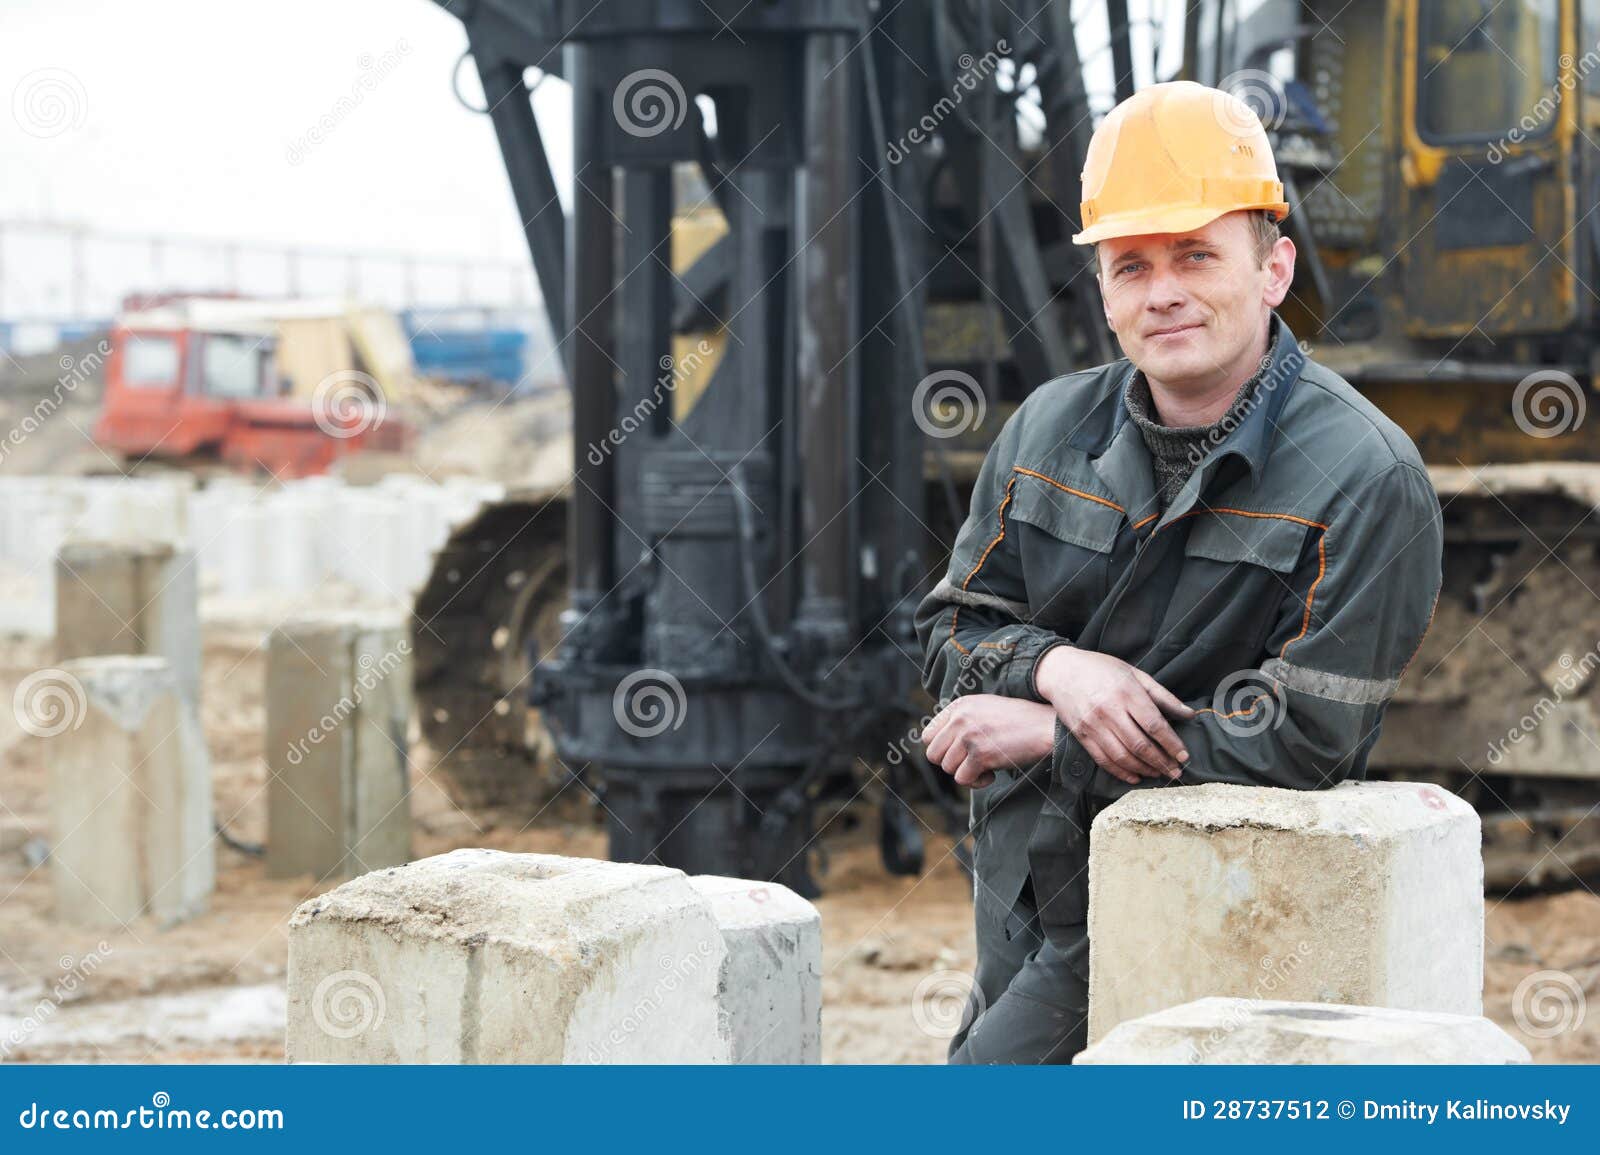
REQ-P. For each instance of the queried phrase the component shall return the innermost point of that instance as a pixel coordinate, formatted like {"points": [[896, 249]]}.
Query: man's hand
{"points": [[977, 734], [1115, 710]]}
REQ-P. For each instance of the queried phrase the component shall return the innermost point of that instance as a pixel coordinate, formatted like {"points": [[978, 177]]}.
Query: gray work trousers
{"points": [[1028, 1003]]}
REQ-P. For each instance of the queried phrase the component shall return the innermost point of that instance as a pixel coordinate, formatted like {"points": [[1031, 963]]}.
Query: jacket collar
{"points": [[1251, 439], [1126, 468]]}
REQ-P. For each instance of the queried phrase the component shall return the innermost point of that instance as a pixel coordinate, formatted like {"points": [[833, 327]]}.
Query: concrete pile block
{"points": [[361, 528], [248, 540], [1369, 894], [130, 792], [230, 537], [771, 986], [34, 519], [338, 708], [1247, 1031], [479, 956], [289, 520], [133, 509], [130, 597]]}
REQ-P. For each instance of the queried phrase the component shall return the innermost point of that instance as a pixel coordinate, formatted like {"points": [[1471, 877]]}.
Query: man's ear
{"points": [[1280, 272], [1100, 287]]}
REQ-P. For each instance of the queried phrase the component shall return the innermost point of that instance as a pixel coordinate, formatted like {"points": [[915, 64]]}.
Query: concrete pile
{"points": [[39, 514], [338, 708], [1370, 893], [130, 793], [1234, 924], [769, 998], [479, 956], [130, 597], [379, 538], [130, 777], [249, 540], [1248, 1031]]}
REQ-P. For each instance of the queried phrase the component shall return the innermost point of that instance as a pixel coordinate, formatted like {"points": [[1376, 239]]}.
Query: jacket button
{"points": [[1078, 765]]}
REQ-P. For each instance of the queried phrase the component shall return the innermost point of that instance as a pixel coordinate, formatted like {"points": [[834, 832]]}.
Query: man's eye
{"points": [[1200, 255], [1128, 268]]}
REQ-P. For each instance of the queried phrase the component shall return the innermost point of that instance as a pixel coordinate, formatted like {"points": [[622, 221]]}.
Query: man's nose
{"points": [[1166, 293]]}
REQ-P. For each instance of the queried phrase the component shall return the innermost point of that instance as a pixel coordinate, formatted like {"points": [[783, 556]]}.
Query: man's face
{"points": [[1189, 308]]}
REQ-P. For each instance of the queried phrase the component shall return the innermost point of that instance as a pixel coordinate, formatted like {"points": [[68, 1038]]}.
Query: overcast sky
{"points": [[192, 117]]}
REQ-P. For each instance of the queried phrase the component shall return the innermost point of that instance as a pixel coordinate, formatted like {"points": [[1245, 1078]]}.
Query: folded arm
{"points": [[974, 628], [1309, 715]]}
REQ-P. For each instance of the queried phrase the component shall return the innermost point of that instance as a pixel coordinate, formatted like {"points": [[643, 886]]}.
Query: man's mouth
{"points": [[1172, 330]]}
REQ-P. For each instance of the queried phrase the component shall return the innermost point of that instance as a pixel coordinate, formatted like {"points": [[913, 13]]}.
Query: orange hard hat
{"points": [[1172, 158]]}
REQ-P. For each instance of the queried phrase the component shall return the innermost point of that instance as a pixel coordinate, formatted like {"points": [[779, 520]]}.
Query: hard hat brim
{"points": [[1173, 219]]}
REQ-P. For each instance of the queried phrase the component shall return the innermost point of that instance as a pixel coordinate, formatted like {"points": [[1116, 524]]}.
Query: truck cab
{"points": [[200, 380]]}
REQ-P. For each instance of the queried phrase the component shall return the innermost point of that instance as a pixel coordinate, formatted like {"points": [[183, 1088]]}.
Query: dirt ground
{"points": [[212, 989]]}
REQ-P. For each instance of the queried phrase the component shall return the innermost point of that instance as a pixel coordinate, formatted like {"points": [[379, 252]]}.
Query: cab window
{"points": [[232, 366], [1485, 67], [149, 362]]}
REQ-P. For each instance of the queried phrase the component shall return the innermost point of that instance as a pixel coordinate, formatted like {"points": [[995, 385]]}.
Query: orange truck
{"points": [[197, 380]]}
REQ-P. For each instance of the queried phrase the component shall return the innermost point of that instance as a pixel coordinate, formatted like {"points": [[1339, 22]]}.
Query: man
{"points": [[1208, 562]]}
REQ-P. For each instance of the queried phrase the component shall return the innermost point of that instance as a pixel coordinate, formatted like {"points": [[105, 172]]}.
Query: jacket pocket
{"points": [[1066, 537], [1066, 512], [1274, 541], [1238, 573]]}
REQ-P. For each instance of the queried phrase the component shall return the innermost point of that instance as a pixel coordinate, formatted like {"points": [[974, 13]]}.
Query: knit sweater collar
{"points": [[1176, 449]]}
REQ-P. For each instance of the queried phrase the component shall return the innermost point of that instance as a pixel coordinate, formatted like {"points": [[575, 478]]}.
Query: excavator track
{"points": [[1500, 702], [491, 605]]}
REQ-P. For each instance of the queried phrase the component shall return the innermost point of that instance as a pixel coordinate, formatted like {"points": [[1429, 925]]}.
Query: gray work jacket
{"points": [[1282, 593]]}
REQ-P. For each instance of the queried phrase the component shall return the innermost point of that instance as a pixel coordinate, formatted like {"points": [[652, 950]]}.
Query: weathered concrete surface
{"points": [[1369, 893], [1223, 1031], [127, 597], [770, 992], [338, 705], [479, 956], [130, 794]]}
